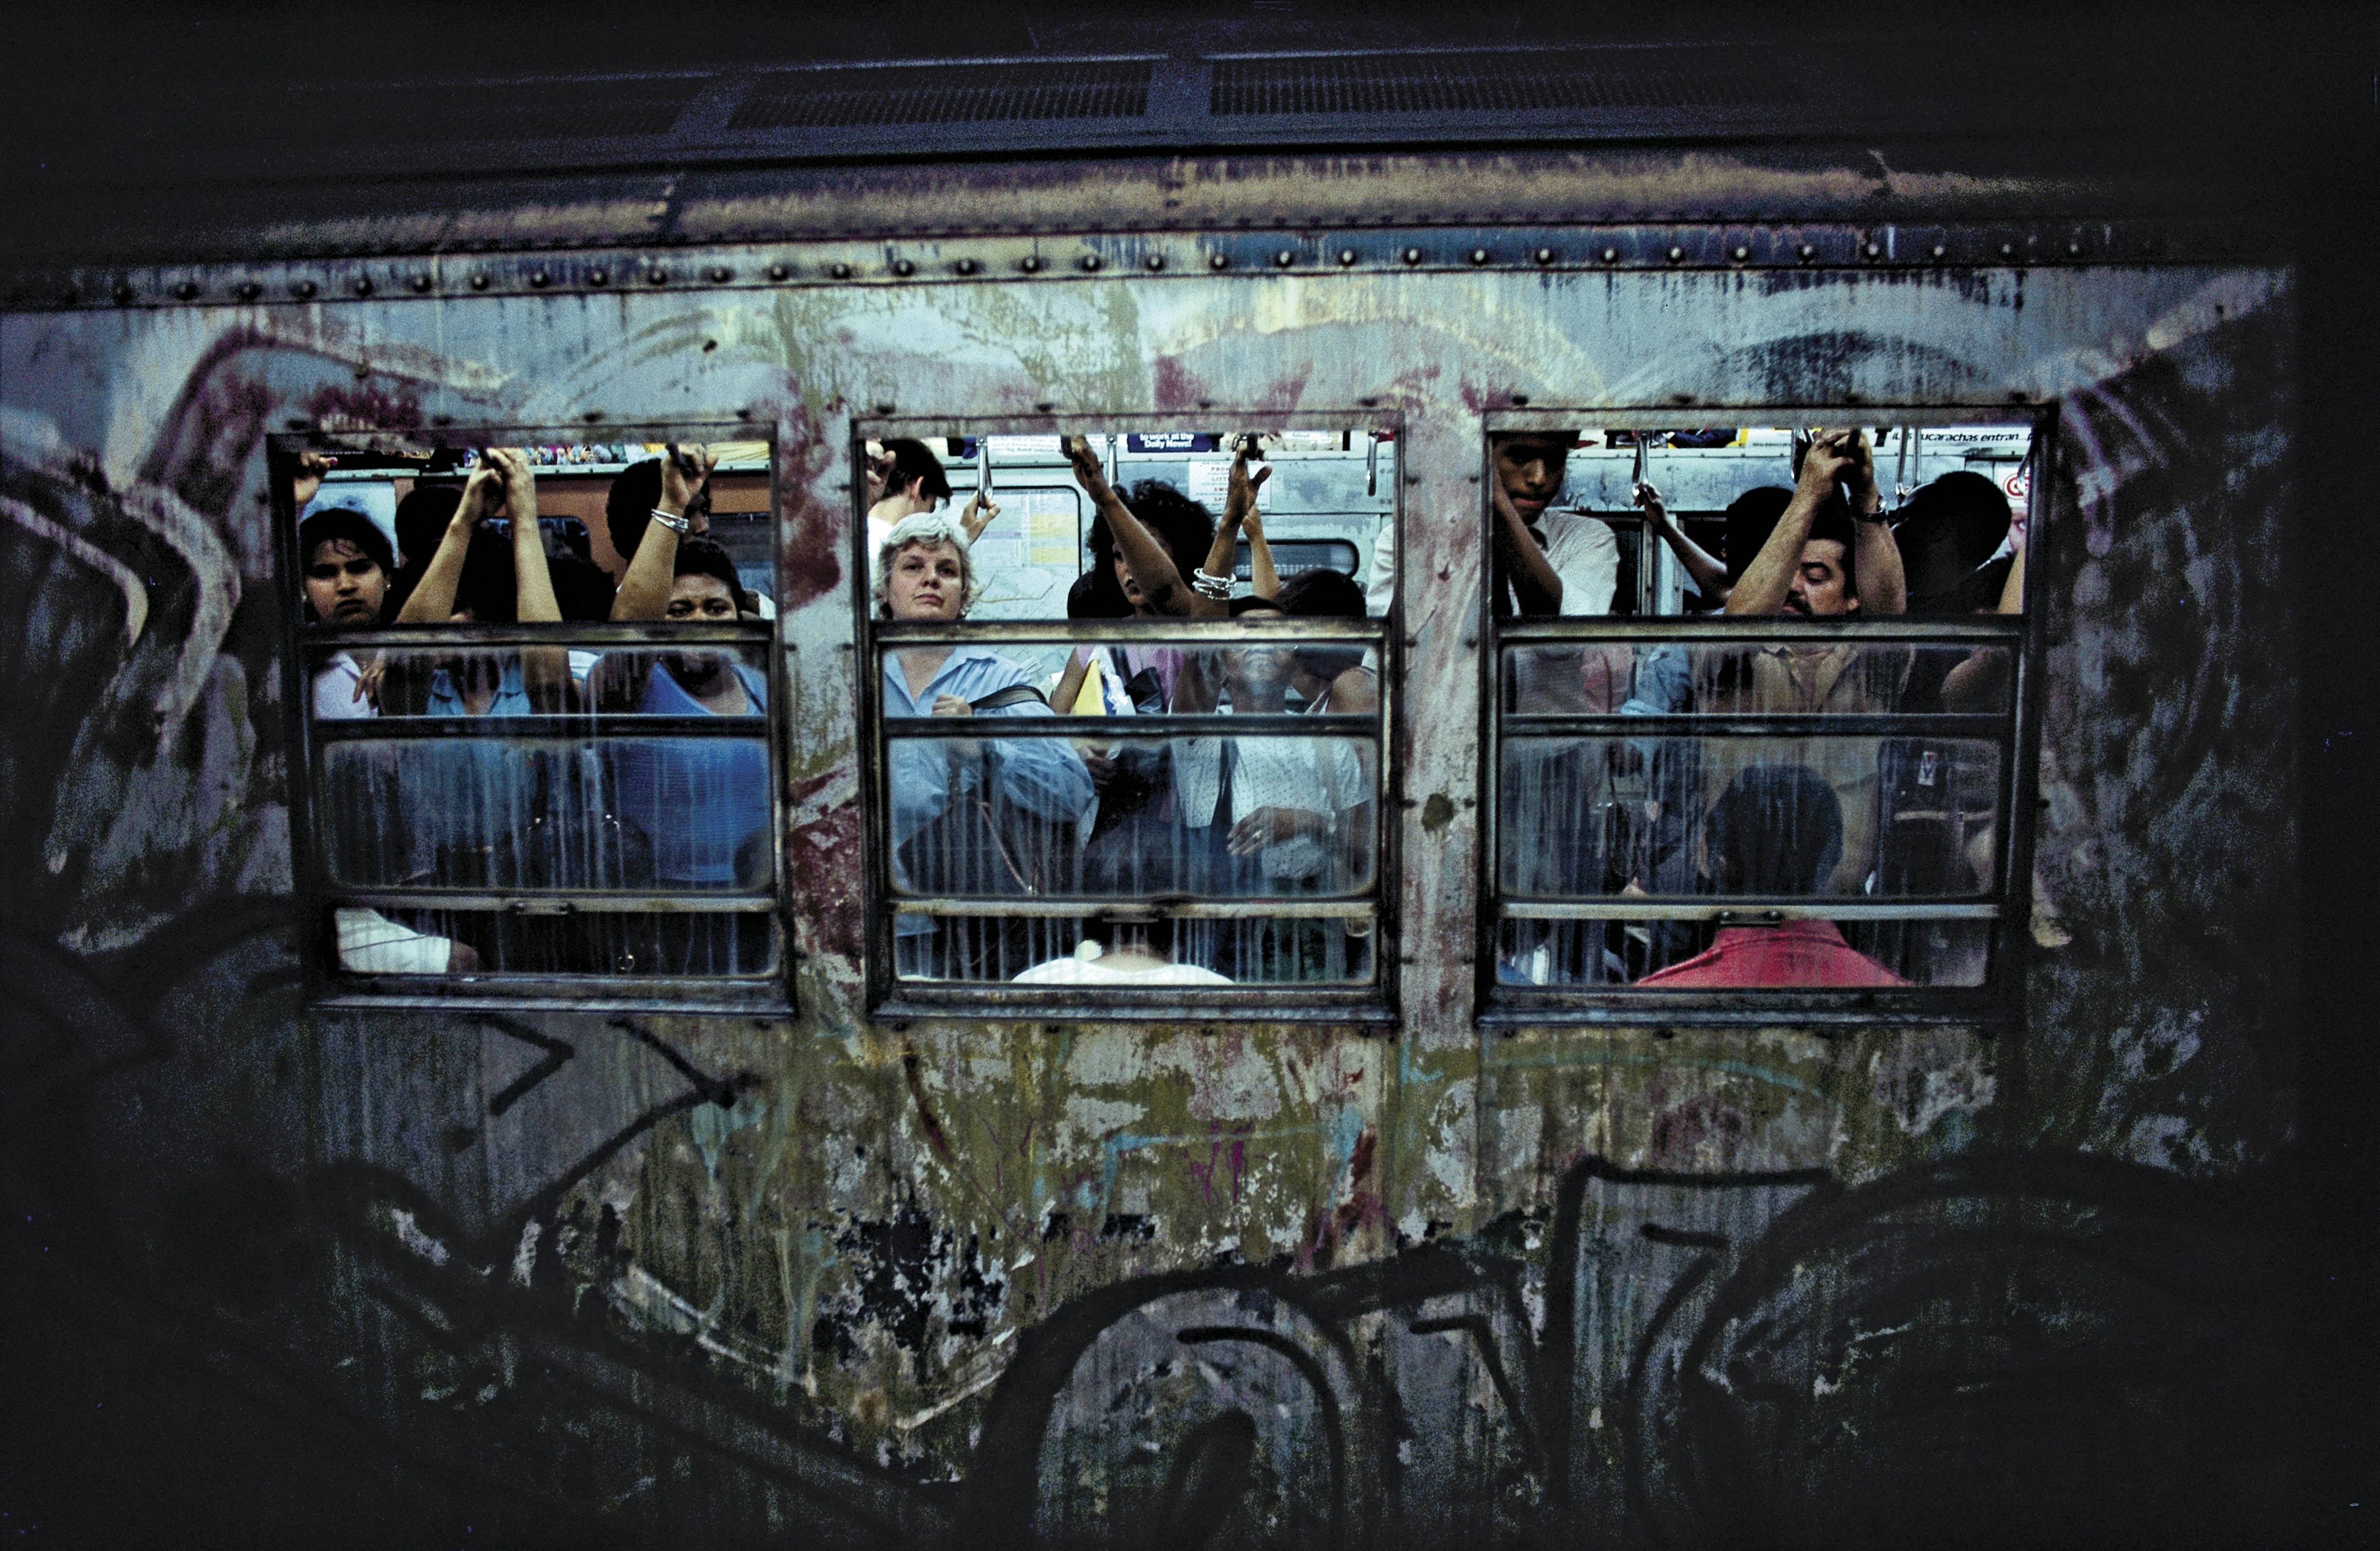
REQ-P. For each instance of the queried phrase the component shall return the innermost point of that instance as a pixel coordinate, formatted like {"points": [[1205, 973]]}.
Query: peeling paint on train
{"points": [[813, 1271]]}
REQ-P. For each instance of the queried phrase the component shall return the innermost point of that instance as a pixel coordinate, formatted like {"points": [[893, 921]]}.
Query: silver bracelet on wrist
{"points": [[1209, 586], [678, 525]]}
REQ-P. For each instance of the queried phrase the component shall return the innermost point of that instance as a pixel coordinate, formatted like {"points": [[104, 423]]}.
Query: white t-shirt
{"points": [[371, 944], [1582, 549], [1073, 970], [334, 690]]}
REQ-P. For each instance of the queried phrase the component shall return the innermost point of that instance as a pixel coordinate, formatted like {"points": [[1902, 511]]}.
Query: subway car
{"points": [[1152, 789]]}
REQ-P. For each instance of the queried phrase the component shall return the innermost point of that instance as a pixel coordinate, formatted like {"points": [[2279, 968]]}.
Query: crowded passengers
{"points": [[990, 796]]}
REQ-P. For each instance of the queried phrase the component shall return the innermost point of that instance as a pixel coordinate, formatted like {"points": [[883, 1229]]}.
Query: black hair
{"points": [[1751, 517], [581, 587], [1776, 829], [1950, 527], [1324, 593], [332, 523], [1250, 604], [1110, 872], [628, 504], [1566, 440], [1185, 527], [912, 460], [1095, 595], [697, 555], [488, 586], [421, 520], [1182, 525], [1833, 522]]}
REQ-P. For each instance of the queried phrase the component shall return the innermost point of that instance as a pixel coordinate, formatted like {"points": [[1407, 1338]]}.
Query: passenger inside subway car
{"points": [[1180, 821], [1776, 829], [1608, 815], [524, 846], [969, 814], [1912, 733]]}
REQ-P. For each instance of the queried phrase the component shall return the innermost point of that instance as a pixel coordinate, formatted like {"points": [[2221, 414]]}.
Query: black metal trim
{"points": [[1207, 724], [658, 634], [574, 728], [1978, 726]]}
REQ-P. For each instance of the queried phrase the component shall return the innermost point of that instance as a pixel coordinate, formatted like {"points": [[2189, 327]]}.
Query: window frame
{"points": [[1372, 1005], [330, 985], [1998, 1003]]}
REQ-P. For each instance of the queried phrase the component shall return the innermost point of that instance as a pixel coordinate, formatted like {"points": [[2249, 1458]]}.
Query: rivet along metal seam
{"points": [[1547, 245]]}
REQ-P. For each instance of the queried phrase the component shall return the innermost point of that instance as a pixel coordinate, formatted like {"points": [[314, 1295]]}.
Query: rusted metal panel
{"points": [[1751, 191], [882, 1282]]}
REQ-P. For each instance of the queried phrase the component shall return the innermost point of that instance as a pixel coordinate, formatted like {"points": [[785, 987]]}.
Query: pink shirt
{"points": [[1795, 953]]}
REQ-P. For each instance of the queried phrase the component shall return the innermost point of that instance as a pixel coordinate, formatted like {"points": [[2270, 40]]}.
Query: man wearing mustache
{"points": [[1830, 554], [1832, 547]]}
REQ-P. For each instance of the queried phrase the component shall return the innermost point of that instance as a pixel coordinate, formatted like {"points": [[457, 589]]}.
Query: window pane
{"points": [[1951, 494], [637, 813], [1683, 677], [1896, 818], [724, 680], [1207, 817], [1047, 554], [1140, 678], [1701, 956], [1273, 818], [396, 941], [1123, 949]]}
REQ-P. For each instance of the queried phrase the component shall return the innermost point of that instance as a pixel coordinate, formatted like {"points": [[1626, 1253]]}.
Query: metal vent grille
{"points": [[494, 111], [1516, 83], [944, 94]]}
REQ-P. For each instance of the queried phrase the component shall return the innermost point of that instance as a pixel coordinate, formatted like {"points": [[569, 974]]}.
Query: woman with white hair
{"points": [[970, 815]]}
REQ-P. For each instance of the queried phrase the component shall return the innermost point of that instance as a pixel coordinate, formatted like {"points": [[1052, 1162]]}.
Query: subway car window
{"points": [[1322, 501], [1182, 785], [535, 699], [1756, 706]]}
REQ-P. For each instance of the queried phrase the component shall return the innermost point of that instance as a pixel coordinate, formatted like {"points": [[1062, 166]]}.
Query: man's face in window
{"points": [[1530, 468], [699, 598], [344, 586], [698, 595], [1821, 585]]}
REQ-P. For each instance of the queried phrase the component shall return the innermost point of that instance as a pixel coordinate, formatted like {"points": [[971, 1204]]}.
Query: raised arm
{"points": [[1150, 566], [432, 601], [1240, 512], [1876, 559], [306, 483], [545, 670], [644, 589], [977, 515], [1710, 577], [1769, 576]]}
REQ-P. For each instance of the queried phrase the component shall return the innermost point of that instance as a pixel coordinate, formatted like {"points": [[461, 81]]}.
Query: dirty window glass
{"points": [[1683, 510], [1756, 699], [536, 681], [1151, 809], [1128, 699]]}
